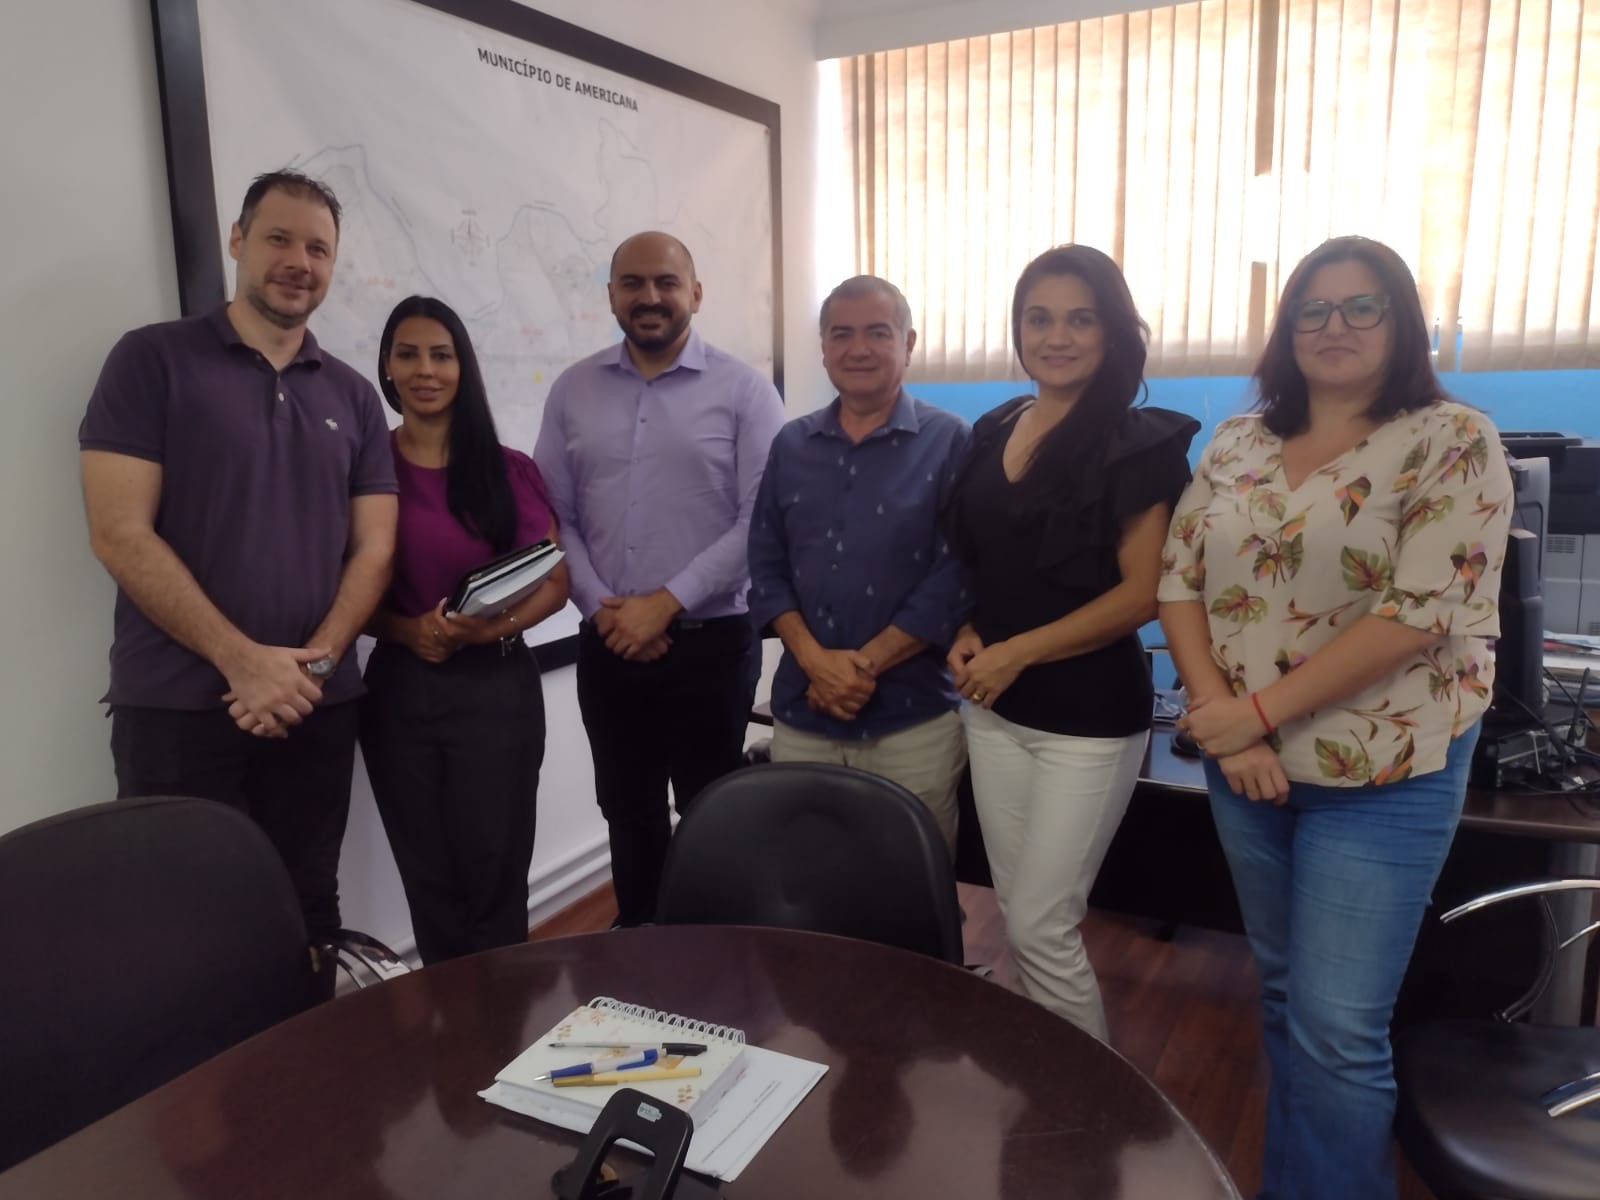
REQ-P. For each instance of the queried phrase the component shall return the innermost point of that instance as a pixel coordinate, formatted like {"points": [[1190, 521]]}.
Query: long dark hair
{"points": [[1116, 386], [476, 487], [1409, 383]]}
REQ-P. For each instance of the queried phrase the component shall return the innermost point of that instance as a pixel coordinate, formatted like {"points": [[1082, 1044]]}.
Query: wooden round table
{"points": [[940, 1084]]}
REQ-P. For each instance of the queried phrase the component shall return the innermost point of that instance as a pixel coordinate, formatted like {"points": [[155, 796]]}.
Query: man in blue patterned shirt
{"points": [[848, 567]]}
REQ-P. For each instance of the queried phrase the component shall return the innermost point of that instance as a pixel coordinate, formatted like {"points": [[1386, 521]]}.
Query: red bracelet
{"points": [[1265, 723]]}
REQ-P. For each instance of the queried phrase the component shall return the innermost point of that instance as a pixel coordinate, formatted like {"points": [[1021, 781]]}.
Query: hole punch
{"points": [[659, 1129]]}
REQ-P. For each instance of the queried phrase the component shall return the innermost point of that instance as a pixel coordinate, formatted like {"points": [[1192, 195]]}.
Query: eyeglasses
{"points": [[1358, 312]]}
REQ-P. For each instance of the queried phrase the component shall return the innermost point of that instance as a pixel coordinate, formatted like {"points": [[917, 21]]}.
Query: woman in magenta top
{"points": [[452, 727]]}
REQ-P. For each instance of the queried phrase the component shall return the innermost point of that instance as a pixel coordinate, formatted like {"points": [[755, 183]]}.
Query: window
{"points": [[1208, 146]]}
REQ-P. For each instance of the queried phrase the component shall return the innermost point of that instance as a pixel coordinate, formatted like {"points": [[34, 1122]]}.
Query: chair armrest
{"points": [[1570, 1097], [1580, 935], [1542, 887], [1549, 933]]}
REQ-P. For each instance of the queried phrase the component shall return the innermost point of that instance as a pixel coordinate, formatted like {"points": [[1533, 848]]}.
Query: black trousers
{"points": [[453, 750], [680, 719], [297, 789]]}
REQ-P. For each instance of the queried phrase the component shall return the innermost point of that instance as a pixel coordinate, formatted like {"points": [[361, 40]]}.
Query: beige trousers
{"points": [[926, 759]]}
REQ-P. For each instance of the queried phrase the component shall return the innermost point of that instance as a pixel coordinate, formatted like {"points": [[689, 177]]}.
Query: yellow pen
{"points": [[639, 1075]]}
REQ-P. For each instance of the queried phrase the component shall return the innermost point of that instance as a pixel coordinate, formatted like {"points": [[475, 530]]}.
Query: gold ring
{"points": [[978, 696]]}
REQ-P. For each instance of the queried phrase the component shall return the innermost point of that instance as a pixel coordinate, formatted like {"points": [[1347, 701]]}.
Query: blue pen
{"points": [[645, 1058]]}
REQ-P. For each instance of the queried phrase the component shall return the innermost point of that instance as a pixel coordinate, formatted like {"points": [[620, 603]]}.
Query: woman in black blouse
{"points": [[1060, 513]]}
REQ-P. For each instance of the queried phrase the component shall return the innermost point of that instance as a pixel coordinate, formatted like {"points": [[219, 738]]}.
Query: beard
{"points": [[259, 299], [671, 329]]}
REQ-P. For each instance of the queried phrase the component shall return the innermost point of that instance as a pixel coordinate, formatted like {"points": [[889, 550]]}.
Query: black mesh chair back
{"points": [[138, 939], [817, 847]]}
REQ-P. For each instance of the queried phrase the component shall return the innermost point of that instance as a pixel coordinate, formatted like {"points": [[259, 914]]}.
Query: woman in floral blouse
{"points": [[1328, 587]]}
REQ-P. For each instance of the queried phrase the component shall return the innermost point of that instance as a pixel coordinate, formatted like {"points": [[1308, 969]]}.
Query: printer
{"points": [[1571, 565]]}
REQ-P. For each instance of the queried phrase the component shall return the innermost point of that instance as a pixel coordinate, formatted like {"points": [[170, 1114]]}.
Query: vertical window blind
{"points": [[1208, 146]]}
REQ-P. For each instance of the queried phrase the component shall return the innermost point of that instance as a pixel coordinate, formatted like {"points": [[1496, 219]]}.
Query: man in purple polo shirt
{"points": [[240, 490], [652, 450]]}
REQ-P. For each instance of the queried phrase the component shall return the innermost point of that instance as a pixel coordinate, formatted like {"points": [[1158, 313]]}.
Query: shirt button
{"points": [[280, 397]]}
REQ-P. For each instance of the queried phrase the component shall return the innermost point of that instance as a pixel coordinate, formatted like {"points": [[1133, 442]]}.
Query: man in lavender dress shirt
{"points": [[652, 450]]}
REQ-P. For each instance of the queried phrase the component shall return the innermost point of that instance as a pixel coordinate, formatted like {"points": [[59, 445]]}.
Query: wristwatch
{"points": [[323, 667]]}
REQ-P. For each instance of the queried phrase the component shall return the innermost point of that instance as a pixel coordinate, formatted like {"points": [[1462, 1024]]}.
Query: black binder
{"points": [[505, 581]]}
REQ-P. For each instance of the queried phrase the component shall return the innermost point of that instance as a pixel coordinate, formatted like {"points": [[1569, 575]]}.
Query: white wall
{"points": [[89, 255], [847, 27]]}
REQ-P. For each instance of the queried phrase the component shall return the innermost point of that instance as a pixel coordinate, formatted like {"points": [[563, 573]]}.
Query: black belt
{"points": [[692, 624]]}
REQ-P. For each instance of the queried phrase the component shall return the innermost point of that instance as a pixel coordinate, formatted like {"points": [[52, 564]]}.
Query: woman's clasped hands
{"points": [[1230, 730], [436, 635]]}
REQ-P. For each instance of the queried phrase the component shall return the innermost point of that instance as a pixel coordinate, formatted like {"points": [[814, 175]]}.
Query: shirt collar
{"points": [[692, 357], [902, 419], [310, 352]]}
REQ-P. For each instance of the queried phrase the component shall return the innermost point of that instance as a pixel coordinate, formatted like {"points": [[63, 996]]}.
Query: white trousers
{"points": [[1048, 805], [925, 759]]}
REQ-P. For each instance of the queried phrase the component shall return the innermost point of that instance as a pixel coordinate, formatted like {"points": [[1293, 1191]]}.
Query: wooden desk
{"points": [[1514, 814], [940, 1084], [1166, 863]]}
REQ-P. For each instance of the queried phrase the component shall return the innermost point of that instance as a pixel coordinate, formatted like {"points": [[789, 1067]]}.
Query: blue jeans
{"points": [[1333, 886]]}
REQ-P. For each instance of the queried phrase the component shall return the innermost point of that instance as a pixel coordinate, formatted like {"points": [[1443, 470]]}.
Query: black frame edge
{"points": [[186, 135]]}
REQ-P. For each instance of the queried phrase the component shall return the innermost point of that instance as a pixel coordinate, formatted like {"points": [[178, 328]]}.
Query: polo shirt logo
{"points": [[331, 423]]}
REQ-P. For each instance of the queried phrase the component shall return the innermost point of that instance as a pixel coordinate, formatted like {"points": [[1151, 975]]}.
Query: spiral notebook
{"points": [[608, 1020], [742, 1095]]}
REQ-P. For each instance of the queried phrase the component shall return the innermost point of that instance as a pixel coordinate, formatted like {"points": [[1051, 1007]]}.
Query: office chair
{"points": [[1497, 1110], [139, 938], [818, 847]]}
